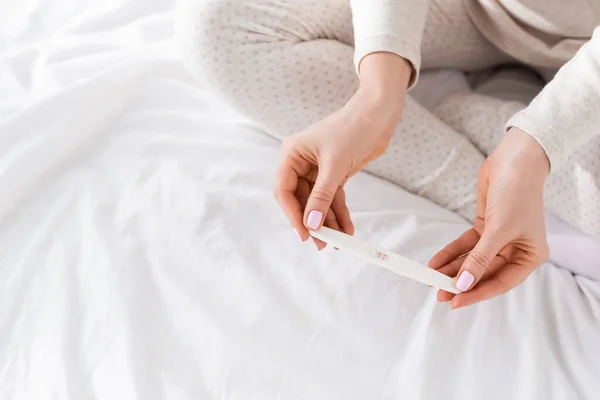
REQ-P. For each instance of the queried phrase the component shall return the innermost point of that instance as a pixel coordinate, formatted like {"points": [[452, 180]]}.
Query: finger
{"points": [[479, 259], [444, 297], [330, 215], [286, 183], [302, 191], [451, 270], [455, 249], [302, 194], [505, 278], [321, 196], [331, 222], [311, 175], [487, 246], [453, 267], [342, 213], [320, 244]]}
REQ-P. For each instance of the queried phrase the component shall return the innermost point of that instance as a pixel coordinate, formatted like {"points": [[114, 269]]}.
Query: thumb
{"points": [[321, 196], [478, 260]]}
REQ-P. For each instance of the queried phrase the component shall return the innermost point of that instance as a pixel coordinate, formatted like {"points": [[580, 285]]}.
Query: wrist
{"points": [[384, 78], [376, 112], [383, 70], [527, 154]]}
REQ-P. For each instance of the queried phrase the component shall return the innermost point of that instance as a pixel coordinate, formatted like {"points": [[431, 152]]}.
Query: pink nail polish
{"points": [[314, 219], [464, 281]]}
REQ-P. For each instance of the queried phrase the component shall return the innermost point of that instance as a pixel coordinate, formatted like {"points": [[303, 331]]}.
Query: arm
{"points": [[508, 238], [566, 114], [387, 38], [392, 26]]}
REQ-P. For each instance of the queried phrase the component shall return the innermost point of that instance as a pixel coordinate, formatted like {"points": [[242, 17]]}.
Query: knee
{"points": [[206, 36]]}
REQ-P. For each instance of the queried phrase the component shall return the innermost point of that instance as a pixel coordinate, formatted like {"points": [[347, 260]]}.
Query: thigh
{"points": [[573, 191], [480, 118], [429, 158], [286, 64], [450, 40]]}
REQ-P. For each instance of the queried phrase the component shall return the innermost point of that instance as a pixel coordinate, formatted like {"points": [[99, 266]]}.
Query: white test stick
{"points": [[385, 259]]}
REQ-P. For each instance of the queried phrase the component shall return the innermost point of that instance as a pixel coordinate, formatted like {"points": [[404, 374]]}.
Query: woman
{"points": [[287, 64]]}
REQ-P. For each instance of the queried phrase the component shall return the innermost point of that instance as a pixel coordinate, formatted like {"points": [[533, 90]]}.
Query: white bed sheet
{"points": [[143, 257]]}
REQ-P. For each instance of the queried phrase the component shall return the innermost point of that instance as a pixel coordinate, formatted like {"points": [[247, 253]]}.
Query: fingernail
{"points": [[298, 234], [464, 281], [314, 219]]}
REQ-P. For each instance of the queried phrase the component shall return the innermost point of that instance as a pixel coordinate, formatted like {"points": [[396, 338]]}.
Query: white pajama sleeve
{"points": [[394, 26], [566, 113]]}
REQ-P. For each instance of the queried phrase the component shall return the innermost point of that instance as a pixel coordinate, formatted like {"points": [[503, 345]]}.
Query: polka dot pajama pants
{"points": [[288, 64]]}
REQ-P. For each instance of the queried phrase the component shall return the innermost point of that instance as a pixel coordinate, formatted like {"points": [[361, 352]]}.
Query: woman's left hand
{"points": [[508, 238]]}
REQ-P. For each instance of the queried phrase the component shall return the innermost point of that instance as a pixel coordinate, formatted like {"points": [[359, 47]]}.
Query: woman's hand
{"points": [[316, 162], [508, 238]]}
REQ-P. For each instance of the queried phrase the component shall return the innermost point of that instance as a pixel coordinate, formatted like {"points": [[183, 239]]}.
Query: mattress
{"points": [[142, 255]]}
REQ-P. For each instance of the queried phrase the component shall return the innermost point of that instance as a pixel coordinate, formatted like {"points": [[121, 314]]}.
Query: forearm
{"points": [[384, 79]]}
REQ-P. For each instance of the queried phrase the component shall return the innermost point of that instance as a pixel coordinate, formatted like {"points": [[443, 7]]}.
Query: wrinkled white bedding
{"points": [[143, 257]]}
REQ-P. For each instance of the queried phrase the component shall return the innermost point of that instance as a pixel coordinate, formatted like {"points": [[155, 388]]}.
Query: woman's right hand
{"points": [[316, 163]]}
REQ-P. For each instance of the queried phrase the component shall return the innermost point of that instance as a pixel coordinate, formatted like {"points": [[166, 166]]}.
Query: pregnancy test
{"points": [[386, 259]]}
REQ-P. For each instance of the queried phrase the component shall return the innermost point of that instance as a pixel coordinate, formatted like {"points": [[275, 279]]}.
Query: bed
{"points": [[142, 255]]}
